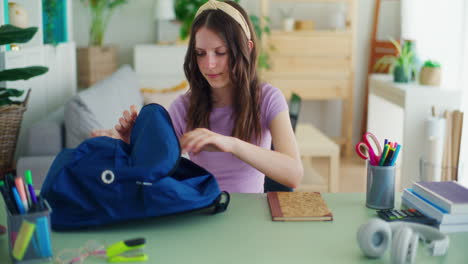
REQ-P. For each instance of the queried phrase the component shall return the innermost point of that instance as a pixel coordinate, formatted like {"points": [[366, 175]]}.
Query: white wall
{"points": [[134, 24]]}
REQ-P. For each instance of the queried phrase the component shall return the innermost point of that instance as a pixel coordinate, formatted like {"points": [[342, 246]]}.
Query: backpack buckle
{"points": [[222, 204]]}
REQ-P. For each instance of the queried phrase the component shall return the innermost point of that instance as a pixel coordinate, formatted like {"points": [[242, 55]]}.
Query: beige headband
{"points": [[228, 9]]}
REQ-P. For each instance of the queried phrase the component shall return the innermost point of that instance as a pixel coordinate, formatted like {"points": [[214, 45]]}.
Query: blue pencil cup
{"points": [[380, 187]]}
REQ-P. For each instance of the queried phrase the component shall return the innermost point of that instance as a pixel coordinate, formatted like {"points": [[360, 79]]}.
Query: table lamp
{"points": [[163, 11]]}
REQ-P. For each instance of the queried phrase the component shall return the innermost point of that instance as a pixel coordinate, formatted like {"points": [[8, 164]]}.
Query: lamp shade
{"points": [[164, 10]]}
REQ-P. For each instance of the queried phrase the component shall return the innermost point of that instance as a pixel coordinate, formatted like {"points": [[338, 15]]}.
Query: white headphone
{"points": [[374, 237]]}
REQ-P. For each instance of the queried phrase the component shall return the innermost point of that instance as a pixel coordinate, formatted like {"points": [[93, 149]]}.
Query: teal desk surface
{"points": [[246, 234]]}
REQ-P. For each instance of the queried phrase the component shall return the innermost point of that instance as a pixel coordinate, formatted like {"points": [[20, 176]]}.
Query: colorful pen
{"points": [[391, 151], [7, 198], [395, 156], [22, 193], [19, 203], [384, 155], [22, 241], [29, 182]]}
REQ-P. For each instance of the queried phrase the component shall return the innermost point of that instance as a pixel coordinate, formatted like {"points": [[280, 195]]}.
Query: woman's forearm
{"points": [[280, 167]]}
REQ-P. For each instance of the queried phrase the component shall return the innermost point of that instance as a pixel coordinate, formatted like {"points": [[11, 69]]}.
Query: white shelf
{"points": [[397, 112]]}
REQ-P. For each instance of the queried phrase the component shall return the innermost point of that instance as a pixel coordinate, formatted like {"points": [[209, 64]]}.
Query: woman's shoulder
{"points": [[270, 92], [180, 104], [181, 100]]}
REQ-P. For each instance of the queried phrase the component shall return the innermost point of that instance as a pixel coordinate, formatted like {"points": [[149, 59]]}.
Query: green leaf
{"points": [[22, 73], [431, 64], [117, 3], [11, 34], [10, 92], [6, 101]]}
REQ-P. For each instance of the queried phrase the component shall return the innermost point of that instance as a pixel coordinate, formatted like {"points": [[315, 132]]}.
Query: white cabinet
{"points": [[398, 111], [53, 89], [159, 66], [48, 91]]}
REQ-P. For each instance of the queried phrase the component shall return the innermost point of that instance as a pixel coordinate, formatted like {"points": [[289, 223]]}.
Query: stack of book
{"points": [[445, 201]]}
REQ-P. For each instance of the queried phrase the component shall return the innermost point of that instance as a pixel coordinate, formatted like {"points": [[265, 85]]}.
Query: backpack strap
{"points": [[221, 203]]}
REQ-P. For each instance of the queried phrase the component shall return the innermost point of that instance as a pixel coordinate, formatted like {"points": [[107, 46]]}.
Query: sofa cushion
{"points": [[101, 105]]}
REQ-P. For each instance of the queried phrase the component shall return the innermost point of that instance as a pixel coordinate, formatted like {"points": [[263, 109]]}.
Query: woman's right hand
{"points": [[126, 122]]}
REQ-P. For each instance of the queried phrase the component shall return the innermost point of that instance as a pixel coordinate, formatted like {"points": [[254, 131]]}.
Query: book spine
{"points": [[422, 206], [432, 197], [431, 210], [274, 205]]}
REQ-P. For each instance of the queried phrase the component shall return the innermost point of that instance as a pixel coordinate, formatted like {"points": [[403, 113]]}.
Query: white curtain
{"points": [[436, 26], [463, 173], [440, 31]]}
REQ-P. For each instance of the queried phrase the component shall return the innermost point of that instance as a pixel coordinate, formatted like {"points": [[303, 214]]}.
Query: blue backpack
{"points": [[106, 180]]}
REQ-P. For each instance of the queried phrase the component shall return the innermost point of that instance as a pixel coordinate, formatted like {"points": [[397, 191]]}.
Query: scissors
{"points": [[371, 155]]}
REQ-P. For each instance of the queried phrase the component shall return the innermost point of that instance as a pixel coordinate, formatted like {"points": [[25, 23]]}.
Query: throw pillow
{"points": [[101, 105]]}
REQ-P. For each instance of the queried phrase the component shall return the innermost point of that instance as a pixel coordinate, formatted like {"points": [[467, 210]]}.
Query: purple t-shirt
{"points": [[232, 174]]}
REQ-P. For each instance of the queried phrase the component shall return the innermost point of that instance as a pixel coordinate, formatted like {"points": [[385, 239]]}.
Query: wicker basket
{"points": [[10, 124]]}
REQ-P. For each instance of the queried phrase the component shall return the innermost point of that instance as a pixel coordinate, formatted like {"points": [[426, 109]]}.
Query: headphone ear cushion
{"points": [[373, 237], [404, 246]]}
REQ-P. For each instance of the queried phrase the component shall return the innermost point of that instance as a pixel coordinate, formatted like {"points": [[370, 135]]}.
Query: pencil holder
{"points": [[29, 236], [380, 187]]}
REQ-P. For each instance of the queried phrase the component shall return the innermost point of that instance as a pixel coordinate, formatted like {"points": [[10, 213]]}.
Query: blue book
{"points": [[448, 195], [412, 200]]}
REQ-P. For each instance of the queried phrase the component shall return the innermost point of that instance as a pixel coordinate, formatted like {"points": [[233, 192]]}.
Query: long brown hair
{"points": [[243, 75]]}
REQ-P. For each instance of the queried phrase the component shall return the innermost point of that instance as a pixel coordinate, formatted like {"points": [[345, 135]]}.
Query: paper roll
{"points": [[433, 164], [433, 127]]}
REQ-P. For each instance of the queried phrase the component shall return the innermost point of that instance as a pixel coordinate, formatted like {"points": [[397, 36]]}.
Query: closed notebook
{"points": [[298, 206], [413, 200], [448, 195]]}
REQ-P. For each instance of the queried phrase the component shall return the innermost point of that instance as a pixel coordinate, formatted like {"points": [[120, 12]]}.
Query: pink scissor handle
{"points": [[375, 142], [367, 156]]}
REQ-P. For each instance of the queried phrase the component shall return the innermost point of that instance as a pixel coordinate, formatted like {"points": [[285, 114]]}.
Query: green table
{"points": [[246, 234]]}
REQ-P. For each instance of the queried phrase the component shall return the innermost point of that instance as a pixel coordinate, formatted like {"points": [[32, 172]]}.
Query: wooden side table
{"points": [[313, 143]]}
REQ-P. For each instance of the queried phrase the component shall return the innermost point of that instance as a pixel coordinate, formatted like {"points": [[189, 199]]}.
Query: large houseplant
{"points": [[264, 62], [12, 109], [403, 65], [96, 61], [101, 12]]}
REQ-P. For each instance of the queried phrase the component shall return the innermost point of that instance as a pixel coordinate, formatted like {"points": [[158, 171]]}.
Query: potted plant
{"points": [[430, 73], [402, 65], [185, 11], [11, 109], [96, 61]]}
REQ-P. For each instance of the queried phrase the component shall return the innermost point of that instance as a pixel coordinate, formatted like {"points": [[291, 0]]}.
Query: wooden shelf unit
{"points": [[316, 64]]}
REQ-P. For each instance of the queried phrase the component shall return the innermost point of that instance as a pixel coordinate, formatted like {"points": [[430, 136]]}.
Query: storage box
{"points": [[95, 63], [29, 236]]}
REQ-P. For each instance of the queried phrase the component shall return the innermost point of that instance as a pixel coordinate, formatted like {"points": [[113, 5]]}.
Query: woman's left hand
{"points": [[202, 139]]}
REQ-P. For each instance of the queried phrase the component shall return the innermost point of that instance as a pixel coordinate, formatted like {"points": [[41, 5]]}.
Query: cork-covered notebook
{"points": [[298, 206]]}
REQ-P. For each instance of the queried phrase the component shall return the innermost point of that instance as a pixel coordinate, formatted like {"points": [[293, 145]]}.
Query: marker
{"points": [[384, 154], [7, 198], [22, 193], [391, 151], [395, 156], [22, 241], [19, 204], [43, 237], [29, 182]]}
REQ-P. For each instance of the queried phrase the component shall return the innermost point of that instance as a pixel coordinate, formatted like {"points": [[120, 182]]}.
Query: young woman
{"points": [[227, 121]]}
